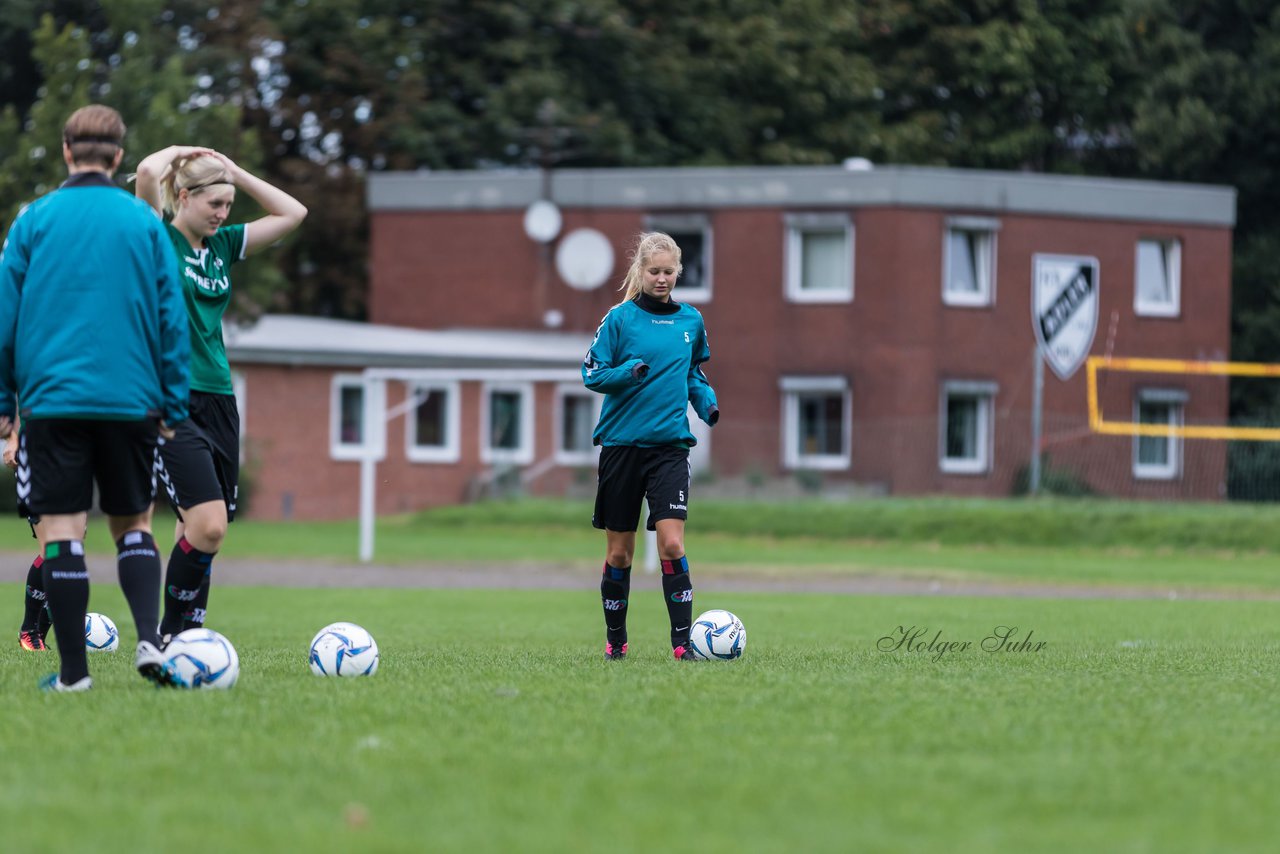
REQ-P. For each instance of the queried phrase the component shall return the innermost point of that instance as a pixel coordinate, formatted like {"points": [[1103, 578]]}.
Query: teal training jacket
{"points": [[649, 409], [92, 323]]}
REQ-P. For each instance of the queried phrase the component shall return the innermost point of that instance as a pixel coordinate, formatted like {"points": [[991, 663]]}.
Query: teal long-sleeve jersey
{"points": [[92, 323], [649, 367]]}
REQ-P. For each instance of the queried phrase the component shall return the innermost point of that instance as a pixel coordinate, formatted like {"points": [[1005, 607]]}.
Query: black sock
{"points": [[138, 564], [193, 617], [615, 588], [677, 589], [66, 583], [35, 598], [189, 571]]}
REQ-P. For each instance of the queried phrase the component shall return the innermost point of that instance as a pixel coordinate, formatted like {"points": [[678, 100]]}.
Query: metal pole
{"points": [[1037, 403], [368, 501], [650, 545]]}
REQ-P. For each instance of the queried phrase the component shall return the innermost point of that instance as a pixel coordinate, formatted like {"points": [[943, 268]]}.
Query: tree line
{"points": [[315, 94]]}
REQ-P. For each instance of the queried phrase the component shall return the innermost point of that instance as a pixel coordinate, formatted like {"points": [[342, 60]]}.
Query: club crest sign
{"points": [[1064, 309]]}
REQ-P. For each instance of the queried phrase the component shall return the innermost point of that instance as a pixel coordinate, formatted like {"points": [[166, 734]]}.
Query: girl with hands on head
{"points": [[194, 188]]}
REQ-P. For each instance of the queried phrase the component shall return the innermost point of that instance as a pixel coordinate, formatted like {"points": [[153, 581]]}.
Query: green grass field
{"points": [[1088, 541], [494, 725]]}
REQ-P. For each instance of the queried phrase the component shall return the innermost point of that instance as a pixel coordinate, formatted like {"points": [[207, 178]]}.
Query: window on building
{"points": [[351, 431], [692, 233], [1158, 278], [816, 422], [966, 427], [431, 431], [969, 262], [349, 436], [1158, 457], [508, 424], [819, 255], [576, 415]]}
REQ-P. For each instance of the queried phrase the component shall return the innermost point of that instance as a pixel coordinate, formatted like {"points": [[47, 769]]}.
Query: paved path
{"points": [[531, 576]]}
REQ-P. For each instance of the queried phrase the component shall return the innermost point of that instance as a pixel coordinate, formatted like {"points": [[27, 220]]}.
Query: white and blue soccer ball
{"points": [[202, 658], [718, 636], [100, 633], [343, 649]]}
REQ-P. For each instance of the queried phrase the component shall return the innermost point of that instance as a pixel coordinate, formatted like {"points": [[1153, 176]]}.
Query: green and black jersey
{"points": [[206, 287]]}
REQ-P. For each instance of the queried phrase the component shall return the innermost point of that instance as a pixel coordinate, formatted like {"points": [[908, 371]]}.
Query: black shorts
{"points": [[202, 462], [61, 459], [628, 474]]}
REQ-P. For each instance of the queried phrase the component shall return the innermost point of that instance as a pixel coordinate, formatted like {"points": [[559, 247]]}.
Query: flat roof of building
{"points": [[284, 339], [792, 187]]}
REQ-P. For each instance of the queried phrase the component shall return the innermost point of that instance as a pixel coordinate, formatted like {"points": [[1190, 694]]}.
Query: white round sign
{"points": [[584, 259], [542, 221]]}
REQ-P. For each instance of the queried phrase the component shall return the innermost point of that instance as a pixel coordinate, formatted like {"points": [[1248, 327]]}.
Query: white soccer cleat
{"points": [[53, 683], [151, 663]]}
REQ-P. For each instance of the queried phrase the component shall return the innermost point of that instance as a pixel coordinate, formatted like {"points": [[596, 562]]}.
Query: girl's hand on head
{"points": [[184, 151], [227, 162]]}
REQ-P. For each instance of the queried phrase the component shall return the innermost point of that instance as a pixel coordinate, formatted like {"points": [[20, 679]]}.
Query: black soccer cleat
{"points": [[615, 652], [152, 666], [685, 653]]}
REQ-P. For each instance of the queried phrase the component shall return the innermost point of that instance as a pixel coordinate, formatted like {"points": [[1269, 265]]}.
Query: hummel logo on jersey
{"points": [[663, 322]]}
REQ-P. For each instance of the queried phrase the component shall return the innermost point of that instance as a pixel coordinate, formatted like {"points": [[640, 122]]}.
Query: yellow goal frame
{"points": [[1176, 366]]}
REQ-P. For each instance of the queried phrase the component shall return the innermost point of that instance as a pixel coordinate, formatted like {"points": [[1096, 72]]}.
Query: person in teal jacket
{"points": [[647, 360], [95, 347]]}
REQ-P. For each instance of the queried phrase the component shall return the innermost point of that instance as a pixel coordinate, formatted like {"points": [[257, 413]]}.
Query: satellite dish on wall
{"points": [[584, 259], [542, 221]]}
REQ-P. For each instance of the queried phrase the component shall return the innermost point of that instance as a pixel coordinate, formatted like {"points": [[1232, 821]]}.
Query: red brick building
{"points": [[876, 327]]}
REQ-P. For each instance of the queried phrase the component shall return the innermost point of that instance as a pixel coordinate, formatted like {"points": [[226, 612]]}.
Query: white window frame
{"points": [[684, 223], [986, 294], [1171, 251], [450, 451], [986, 391], [377, 407], [798, 225], [1172, 468], [564, 456], [523, 455], [792, 388]]}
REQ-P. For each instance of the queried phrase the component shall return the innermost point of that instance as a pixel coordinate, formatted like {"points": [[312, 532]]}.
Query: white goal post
{"points": [[376, 416]]}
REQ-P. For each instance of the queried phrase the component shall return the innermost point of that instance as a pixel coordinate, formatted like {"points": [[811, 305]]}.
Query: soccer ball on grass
{"points": [[343, 649], [202, 658], [100, 633], [717, 636]]}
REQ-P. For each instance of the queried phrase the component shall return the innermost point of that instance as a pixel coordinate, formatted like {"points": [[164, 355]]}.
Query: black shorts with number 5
{"points": [[628, 474]]}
